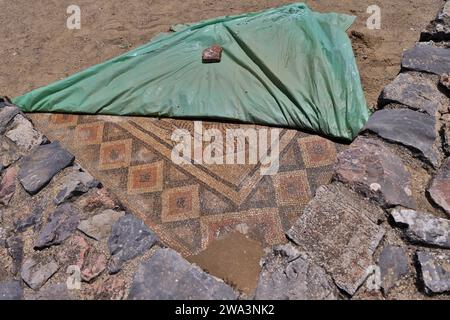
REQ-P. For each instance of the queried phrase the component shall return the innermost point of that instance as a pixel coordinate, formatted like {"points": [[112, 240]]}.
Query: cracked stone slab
{"points": [[75, 183], [23, 134], [60, 225], [439, 28], [338, 232], [129, 238], [409, 128], [369, 167], [424, 57], [416, 92], [423, 227], [42, 165], [394, 264], [167, 276], [11, 290], [35, 274], [287, 274], [439, 190], [7, 114], [435, 271], [99, 226]]}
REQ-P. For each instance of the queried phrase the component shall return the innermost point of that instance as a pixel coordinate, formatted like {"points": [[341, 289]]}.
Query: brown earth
{"points": [[235, 259], [37, 48]]}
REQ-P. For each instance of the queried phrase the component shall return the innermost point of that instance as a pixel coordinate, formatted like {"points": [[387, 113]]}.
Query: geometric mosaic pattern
{"points": [[189, 205]]}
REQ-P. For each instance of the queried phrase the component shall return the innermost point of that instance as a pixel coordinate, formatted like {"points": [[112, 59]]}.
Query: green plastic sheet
{"points": [[287, 66]]}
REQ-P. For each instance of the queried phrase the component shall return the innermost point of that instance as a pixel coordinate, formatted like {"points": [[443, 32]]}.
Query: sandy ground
{"points": [[36, 47]]}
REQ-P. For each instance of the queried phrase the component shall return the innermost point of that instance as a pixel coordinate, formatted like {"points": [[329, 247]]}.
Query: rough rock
{"points": [[368, 167], [94, 265], [212, 54], [6, 115], [129, 238], [4, 101], [338, 231], [77, 252], [99, 226], [444, 81], [33, 220], [423, 227], [56, 291], [167, 276], [435, 271], [8, 186], [425, 57], [111, 288], [15, 250], [409, 128], [99, 198], [11, 290], [60, 225], [35, 274], [9, 152], [439, 28], [439, 190], [41, 165], [75, 183], [288, 275], [74, 252], [416, 92], [393, 263], [23, 134]]}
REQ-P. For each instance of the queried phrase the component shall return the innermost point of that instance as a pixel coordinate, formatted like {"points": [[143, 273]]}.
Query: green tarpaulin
{"points": [[287, 66]]}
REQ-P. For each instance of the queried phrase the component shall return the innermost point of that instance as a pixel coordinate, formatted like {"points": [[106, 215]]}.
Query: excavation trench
{"points": [[218, 216]]}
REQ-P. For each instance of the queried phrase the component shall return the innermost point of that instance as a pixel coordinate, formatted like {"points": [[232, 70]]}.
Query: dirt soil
{"points": [[235, 259], [36, 49]]}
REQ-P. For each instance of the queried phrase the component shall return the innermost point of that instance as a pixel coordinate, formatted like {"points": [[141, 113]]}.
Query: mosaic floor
{"points": [[190, 205]]}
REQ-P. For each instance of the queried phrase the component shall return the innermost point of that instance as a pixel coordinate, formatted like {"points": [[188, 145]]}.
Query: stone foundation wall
{"points": [[381, 230], [64, 236]]}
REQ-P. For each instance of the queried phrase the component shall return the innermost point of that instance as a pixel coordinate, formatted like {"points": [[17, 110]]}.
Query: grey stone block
{"points": [[167, 276]]}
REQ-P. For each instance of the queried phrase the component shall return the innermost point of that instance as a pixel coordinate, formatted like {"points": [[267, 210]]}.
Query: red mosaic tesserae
{"points": [[212, 54]]}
